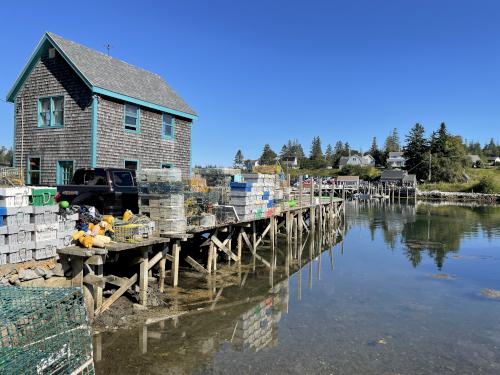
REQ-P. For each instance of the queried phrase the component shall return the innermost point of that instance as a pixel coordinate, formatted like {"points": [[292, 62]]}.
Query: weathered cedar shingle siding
{"points": [[114, 144], [72, 142]]}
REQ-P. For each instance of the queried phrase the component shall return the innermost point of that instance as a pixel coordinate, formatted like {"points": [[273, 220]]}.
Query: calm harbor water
{"points": [[400, 295]]}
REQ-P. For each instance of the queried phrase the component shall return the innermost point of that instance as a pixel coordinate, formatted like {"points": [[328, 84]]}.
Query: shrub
{"points": [[486, 185]]}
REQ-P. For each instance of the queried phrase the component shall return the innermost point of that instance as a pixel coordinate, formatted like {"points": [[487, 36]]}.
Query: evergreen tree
{"points": [[268, 156], [347, 149], [329, 155], [239, 159], [374, 146], [392, 142], [316, 157], [285, 152], [416, 150]]}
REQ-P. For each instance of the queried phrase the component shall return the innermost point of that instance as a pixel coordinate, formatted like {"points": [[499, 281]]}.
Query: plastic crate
{"points": [[43, 196], [22, 255]]}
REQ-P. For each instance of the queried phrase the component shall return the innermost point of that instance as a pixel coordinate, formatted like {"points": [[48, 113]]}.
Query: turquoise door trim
{"points": [[59, 172], [142, 103], [93, 150]]}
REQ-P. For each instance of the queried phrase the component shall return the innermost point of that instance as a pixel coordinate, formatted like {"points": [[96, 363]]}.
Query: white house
{"points": [[396, 160], [290, 162], [363, 161]]}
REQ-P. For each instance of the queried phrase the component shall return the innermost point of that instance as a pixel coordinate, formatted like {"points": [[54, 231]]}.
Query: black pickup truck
{"points": [[110, 190]]}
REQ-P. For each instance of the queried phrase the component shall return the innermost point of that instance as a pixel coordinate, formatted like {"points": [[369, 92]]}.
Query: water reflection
{"points": [[243, 317], [431, 228]]}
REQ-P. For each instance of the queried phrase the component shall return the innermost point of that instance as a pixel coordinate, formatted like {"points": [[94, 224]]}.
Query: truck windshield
{"points": [[123, 178], [89, 177]]}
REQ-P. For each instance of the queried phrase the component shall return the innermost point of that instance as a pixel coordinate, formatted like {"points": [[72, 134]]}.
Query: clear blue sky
{"points": [[265, 71]]}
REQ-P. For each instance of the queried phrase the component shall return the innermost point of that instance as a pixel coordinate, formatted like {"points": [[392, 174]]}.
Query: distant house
{"points": [[368, 160], [493, 160], [363, 161], [249, 164], [351, 182], [75, 107], [396, 160], [393, 177], [290, 162], [475, 160], [410, 180]]}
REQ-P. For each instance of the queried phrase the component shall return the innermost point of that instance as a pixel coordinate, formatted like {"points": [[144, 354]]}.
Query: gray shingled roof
{"points": [[393, 174], [115, 75]]}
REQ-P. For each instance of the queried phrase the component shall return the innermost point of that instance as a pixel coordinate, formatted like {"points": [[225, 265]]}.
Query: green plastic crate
{"points": [[43, 196]]}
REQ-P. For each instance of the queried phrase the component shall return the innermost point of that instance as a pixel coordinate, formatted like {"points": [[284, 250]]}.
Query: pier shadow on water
{"points": [[396, 290]]}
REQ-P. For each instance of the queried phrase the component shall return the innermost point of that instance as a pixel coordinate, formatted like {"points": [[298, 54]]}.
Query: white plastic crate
{"points": [[49, 250], [64, 241], [15, 201], [44, 218], [22, 255], [3, 259], [2, 239], [66, 226], [45, 232], [14, 191]]}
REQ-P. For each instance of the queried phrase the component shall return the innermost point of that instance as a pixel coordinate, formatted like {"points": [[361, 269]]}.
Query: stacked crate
{"points": [[44, 219], [255, 327], [15, 228], [253, 198], [161, 197], [66, 225]]}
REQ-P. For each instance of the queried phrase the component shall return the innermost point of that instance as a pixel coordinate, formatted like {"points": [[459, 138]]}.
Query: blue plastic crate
{"points": [[270, 204], [241, 186], [265, 196], [3, 212]]}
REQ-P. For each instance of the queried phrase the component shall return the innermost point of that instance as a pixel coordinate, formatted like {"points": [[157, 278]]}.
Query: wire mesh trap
{"points": [[44, 331]]}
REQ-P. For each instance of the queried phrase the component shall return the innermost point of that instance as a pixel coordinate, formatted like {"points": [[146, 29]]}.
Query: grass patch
{"points": [[483, 180]]}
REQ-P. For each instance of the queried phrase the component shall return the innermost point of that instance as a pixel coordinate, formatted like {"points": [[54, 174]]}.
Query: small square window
{"points": [[131, 164]]}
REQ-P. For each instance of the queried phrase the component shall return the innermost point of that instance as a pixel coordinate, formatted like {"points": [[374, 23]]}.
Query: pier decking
{"points": [[225, 239]]}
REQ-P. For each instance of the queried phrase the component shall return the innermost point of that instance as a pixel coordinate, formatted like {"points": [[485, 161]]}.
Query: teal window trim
{"points": [[52, 123], [29, 170], [164, 125], [59, 176], [137, 129], [167, 165], [131, 160]]}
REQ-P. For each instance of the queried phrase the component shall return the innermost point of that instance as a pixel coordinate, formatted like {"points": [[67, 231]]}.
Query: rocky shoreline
{"points": [[458, 196]]}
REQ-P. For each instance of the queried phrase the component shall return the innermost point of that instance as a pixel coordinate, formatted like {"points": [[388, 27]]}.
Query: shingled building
{"points": [[76, 107]]}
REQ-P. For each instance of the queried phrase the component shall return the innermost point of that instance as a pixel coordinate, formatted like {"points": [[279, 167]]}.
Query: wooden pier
{"points": [[202, 248]]}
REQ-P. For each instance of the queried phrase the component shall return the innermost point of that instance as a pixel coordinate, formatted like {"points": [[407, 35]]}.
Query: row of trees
{"points": [[489, 149], [440, 157], [319, 159]]}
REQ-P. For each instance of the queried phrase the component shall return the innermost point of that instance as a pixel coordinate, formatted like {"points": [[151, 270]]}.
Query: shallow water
{"points": [[400, 295]]}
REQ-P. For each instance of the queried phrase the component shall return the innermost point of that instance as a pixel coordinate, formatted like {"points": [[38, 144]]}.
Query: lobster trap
{"points": [[44, 331], [11, 176]]}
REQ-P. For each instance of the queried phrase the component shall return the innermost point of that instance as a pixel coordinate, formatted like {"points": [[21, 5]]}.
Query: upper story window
{"points": [[132, 118], [168, 126], [51, 112]]}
